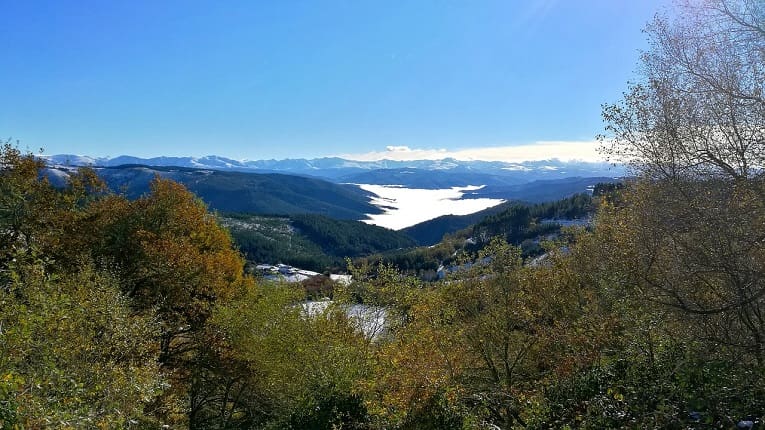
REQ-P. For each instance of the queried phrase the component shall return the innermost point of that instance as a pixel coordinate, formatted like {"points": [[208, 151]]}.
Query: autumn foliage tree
{"points": [[73, 353], [170, 253], [162, 260], [480, 348], [693, 128], [698, 109], [683, 244]]}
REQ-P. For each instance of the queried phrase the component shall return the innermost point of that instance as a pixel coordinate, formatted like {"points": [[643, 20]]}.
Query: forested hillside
{"points": [[312, 242], [122, 313], [528, 226], [319, 243], [349, 238], [249, 192], [578, 206]]}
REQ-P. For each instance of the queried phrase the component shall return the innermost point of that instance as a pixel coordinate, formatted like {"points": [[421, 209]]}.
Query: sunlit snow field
{"points": [[405, 207]]}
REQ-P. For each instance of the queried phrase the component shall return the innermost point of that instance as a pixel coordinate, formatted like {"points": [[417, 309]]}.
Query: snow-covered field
{"points": [[405, 207]]}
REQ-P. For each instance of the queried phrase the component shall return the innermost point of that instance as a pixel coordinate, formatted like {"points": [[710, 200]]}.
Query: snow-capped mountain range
{"points": [[336, 168]]}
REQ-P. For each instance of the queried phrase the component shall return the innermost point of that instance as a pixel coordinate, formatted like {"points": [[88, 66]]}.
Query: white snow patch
{"points": [[517, 167], [370, 320], [58, 173]]}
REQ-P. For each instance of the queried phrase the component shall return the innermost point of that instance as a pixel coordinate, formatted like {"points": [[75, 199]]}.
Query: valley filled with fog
{"points": [[404, 207]]}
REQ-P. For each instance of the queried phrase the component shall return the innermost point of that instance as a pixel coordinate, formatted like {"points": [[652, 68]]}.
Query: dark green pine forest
{"points": [[139, 312]]}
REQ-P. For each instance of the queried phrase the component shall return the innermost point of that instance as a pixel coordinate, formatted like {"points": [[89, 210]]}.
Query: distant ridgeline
{"points": [[411, 173]]}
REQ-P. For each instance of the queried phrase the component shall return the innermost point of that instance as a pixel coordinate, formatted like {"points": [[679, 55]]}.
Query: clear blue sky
{"points": [[289, 79]]}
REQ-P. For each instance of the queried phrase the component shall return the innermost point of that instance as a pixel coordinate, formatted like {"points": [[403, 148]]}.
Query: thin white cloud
{"points": [[543, 150], [398, 149]]}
